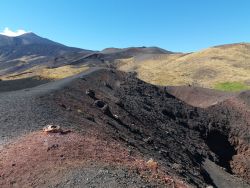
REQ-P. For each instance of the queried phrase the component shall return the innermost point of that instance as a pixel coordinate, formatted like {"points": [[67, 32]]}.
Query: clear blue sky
{"points": [[177, 25]]}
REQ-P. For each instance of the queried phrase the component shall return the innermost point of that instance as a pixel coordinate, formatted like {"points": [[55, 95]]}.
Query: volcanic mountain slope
{"points": [[108, 56], [223, 67], [134, 51], [117, 124], [199, 97], [51, 60], [21, 53], [73, 63]]}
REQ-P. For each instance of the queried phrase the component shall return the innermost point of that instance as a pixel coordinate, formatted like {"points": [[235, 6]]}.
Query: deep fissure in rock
{"points": [[220, 145]]}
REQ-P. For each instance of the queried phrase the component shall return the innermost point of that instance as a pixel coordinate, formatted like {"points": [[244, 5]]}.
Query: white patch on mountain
{"points": [[10, 33]]}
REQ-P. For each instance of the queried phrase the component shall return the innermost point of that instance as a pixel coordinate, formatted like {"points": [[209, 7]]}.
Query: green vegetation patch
{"points": [[231, 86]]}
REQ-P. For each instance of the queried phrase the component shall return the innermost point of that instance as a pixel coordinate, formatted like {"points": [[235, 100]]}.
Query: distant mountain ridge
{"points": [[111, 55], [31, 44], [133, 50], [29, 51], [224, 67], [26, 51], [25, 39]]}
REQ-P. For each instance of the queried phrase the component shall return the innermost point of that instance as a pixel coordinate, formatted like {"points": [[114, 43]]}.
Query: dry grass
{"points": [[48, 73], [61, 72], [205, 68]]}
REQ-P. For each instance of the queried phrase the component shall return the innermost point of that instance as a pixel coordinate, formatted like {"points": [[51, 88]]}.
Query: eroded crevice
{"points": [[219, 144]]}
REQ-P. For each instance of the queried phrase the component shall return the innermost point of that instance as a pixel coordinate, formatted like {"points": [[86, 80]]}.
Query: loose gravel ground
{"points": [[142, 118]]}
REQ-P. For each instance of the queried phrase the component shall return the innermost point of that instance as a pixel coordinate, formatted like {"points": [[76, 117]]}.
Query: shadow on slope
{"points": [[13, 85]]}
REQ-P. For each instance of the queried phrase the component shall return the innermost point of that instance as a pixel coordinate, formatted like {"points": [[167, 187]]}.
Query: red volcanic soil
{"points": [[46, 159]]}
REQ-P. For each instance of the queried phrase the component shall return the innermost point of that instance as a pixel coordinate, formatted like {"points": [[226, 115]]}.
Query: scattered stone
{"points": [[210, 186], [116, 116], [107, 85], [90, 118], [103, 106], [152, 165], [164, 152], [68, 109], [52, 129], [177, 167], [148, 140], [63, 105], [54, 146], [99, 103], [119, 103], [130, 151], [90, 93], [169, 180]]}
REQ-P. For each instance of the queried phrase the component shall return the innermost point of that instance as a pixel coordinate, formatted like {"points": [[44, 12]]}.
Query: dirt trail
{"points": [[221, 178], [22, 112]]}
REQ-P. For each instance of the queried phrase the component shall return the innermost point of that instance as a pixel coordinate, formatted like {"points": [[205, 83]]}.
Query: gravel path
{"points": [[101, 177], [221, 178], [22, 111]]}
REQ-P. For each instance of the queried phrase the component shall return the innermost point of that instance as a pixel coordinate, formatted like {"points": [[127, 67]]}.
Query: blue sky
{"points": [[176, 25]]}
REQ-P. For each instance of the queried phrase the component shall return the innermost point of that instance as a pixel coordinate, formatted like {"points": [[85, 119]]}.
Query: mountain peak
{"points": [[25, 39], [10, 33], [27, 34]]}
